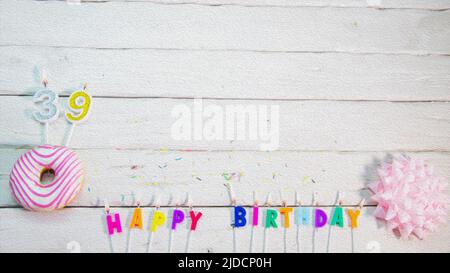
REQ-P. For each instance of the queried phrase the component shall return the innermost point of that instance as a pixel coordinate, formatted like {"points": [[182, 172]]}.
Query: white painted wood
{"points": [[121, 175], [140, 25], [154, 73], [308, 57], [24, 231], [382, 4], [303, 125]]}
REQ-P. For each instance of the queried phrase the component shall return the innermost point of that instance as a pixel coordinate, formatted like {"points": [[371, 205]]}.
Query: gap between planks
{"points": [[204, 206], [387, 53], [244, 5], [9, 93], [29, 146]]}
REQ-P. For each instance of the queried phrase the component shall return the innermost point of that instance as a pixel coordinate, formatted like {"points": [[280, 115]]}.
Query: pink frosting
{"points": [[410, 197], [25, 178]]}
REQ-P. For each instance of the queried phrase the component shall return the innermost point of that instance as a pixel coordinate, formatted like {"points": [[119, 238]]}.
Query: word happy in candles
{"points": [[114, 224]]}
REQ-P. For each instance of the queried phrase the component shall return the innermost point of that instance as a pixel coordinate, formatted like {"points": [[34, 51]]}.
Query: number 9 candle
{"points": [[80, 103]]}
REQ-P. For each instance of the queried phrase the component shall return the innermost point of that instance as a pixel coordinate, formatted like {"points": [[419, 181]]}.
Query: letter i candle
{"points": [[255, 216]]}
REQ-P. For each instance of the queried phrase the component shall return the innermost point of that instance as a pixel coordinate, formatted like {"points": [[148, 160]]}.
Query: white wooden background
{"points": [[357, 82]]}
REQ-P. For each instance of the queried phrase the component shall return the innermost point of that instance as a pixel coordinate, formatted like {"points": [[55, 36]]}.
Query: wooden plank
{"points": [[303, 125], [56, 231], [140, 25], [121, 175], [385, 4], [154, 73]]}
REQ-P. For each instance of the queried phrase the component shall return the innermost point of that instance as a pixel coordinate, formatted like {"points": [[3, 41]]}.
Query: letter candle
{"points": [[153, 223], [233, 203], [285, 211], [354, 219], [298, 204], [188, 240], [112, 224], [268, 204], [194, 220], [136, 222], [315, 204], [177, 218], [337, 217], [255, 216]]}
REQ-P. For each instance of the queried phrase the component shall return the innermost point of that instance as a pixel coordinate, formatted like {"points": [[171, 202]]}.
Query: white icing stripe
{"points": [[25, 175], [61, 175], [41, 202]]}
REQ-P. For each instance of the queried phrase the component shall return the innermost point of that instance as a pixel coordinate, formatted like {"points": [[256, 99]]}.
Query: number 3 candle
{"points": [[79, 109], [50, 110]]}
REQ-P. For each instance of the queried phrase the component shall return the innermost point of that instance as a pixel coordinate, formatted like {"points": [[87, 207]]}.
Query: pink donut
{"points": [[25, 178]]}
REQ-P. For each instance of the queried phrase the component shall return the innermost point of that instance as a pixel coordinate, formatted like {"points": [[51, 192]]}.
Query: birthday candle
{"points": [[136, 222], [194, 220], [337, 218], [233, 203], [315, 203], [80, 103], [354, 220], [239, 217], [298, 220], [268, 204], [285, 211], [49, 111], [158, 219], [255, 217], [112, 224], [177, 218]]}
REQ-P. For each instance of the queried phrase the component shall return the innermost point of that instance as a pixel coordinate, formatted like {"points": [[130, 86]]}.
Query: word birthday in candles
{"points": [[301, 215]]}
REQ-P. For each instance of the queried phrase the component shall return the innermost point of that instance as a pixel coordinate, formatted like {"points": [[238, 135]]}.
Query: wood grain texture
{"points": [[140, 25], [357, 82], [123, 175], [380, 4], [87, 228], [249, 75]]}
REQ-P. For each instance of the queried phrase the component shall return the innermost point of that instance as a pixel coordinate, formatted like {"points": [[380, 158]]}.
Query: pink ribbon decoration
{"points": [[410, 197]]}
